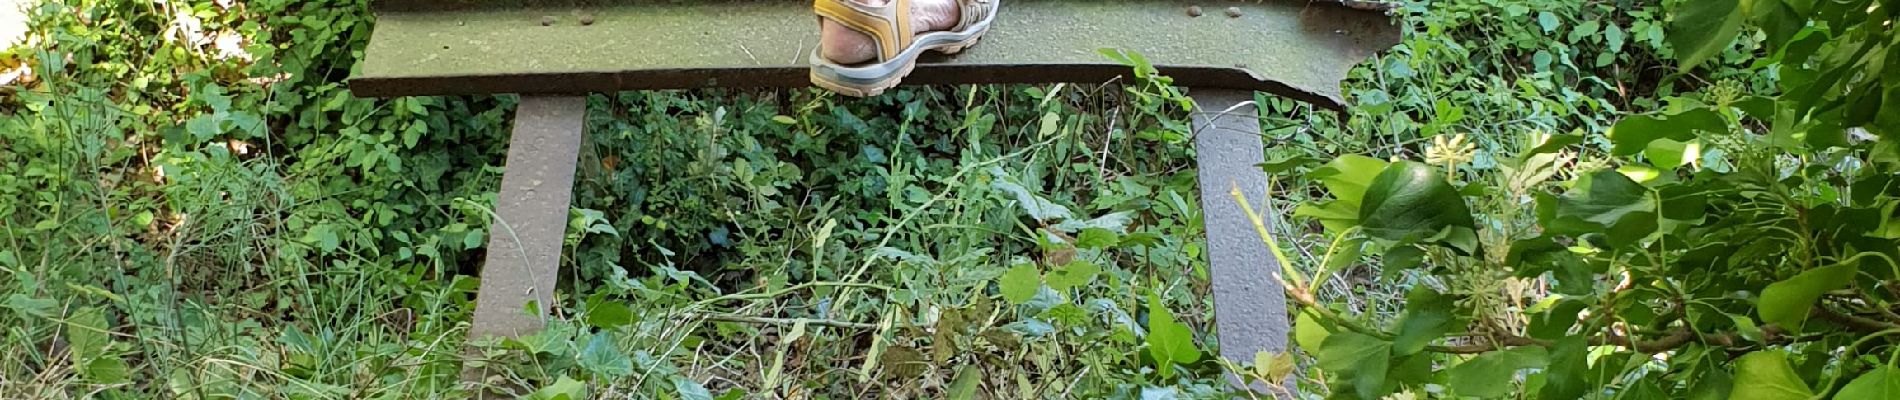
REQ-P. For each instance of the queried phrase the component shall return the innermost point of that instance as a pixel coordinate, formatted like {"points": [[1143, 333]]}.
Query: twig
{"points": [[789, 321]]}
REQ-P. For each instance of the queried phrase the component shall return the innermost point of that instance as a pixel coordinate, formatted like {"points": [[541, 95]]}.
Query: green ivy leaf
{"points": [[1490, 374], [1786, 303], [1020, 283], [1168, 341], [1703, 28], [1427, 317], [1411, 201], [600, 357], [1882, 383], [1361, 359], [1766, 375]]}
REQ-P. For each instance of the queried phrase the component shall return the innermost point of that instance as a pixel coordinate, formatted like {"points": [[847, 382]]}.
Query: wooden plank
{"points": [[1297, 48], [1249, 306], [524, 243]]}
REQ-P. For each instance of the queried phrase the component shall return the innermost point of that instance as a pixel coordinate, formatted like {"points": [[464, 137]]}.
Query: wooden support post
{"points": [[1249, 306], [524, 243]]}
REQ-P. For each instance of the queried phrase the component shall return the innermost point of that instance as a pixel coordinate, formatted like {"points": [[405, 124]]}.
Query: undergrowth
{"points": [[192, 205]]}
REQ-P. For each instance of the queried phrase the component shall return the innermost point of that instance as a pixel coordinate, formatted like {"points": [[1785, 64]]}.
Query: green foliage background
{"points": [[176, 221]]}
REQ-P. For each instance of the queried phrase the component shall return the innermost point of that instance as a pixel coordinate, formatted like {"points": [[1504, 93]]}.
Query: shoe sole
{"points": [[873, 80]]}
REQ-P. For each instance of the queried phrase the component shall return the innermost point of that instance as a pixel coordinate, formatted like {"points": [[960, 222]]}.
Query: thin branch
{"points": [[1675, 339], [789, 321]]}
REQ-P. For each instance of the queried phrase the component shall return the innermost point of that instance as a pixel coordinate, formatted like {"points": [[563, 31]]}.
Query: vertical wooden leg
{"points": [[524, 243], [1249, 306]]}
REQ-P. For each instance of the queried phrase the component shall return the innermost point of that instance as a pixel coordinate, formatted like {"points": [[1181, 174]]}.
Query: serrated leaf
{"points": [[86, 334], [1766, 375], [1020, 283], [1077, 273], [1169, 342], [1786, 303], [600, 357], [107, 370]]}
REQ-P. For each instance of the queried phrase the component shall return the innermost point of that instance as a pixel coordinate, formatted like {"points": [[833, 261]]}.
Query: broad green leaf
{"points": [[1359, 359], [690, 389], [1404, 257], [1309, 333], [203, 128], [1555, 322], [1077, 274], [1567, 377], [1348, 176], [1020, 283], [1766, 375], [1427, 317], [608, 314], [1035, 205], [1669, 153], [1632, 134], [563, 389], [1490, 374], [1786, 303], [1168, 341], [601, 357], [31, 306], [964, 387], [1096, 238], [1547, 20], [1606, 202], [1882, 383], [1703, 28], [1411, 201], [106, 370], [86, 334]]}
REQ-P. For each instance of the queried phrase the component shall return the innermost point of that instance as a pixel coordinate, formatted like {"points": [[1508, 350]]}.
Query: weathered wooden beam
{"points": [[1249, 306], [524, 243], [1297, 48]]}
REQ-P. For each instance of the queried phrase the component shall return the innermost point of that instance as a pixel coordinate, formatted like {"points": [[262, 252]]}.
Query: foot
{"points": [[848, 47]]}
